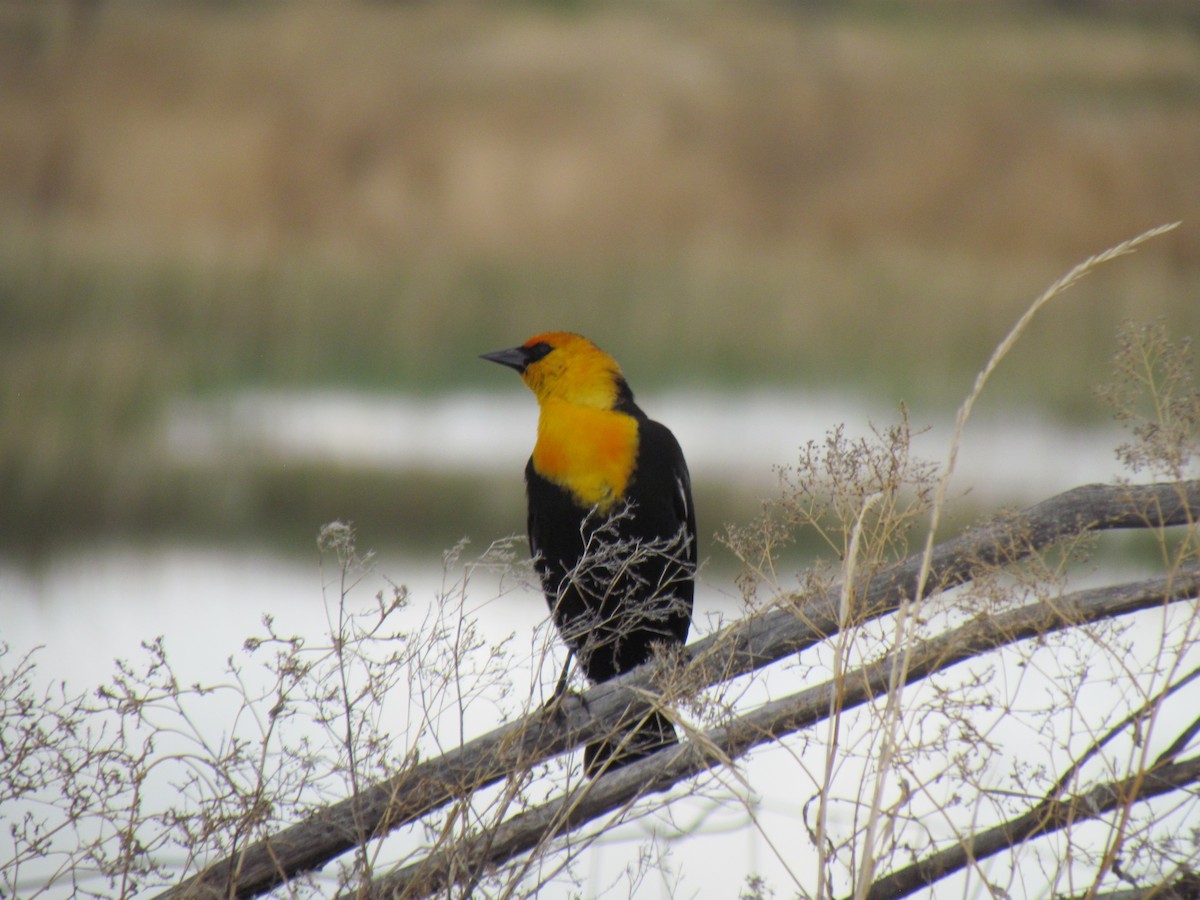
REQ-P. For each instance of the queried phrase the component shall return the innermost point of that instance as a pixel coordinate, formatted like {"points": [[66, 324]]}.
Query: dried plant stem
{"points": [[909, 610]]}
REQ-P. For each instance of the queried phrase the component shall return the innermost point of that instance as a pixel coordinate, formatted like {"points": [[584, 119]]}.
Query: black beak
{"points": [[515, 358]]}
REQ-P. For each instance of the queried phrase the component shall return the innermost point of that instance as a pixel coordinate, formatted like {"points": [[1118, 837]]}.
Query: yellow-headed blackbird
{"points": [[611, 523]]}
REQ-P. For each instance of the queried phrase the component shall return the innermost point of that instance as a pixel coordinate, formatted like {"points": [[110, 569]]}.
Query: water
{"points": [[1016, 457]]}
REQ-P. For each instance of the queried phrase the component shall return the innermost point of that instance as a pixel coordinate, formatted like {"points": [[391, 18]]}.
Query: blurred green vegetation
{"points": [[91, 355], [198, 199]]}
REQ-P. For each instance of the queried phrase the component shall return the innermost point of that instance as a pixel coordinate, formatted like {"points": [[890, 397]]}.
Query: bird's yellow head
{"points": [[560, 365]]}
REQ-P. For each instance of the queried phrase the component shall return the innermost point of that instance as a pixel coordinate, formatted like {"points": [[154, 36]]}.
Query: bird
{"points": [[611, 524]]}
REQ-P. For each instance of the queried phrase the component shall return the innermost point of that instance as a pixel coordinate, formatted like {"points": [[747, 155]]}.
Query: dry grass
{"points": [[930, 169], [377, 132]]}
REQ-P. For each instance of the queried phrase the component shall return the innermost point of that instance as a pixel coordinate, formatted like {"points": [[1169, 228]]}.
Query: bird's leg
{"points": [[561, 689], [554, 704]]}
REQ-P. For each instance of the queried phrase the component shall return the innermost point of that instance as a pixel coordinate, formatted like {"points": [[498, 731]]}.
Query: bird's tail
{"points": [[622, 747]]}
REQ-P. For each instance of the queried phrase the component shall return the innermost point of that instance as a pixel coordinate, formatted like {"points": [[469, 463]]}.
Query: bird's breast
{"points": [[589, 452]]}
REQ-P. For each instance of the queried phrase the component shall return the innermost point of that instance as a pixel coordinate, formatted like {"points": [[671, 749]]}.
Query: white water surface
{"points": [[86, 609], [1020, 456]]}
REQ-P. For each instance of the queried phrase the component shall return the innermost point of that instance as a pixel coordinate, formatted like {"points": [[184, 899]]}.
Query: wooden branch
{"points": [[742, 647], [1123, 726], [533, 828], [1183, 887], [759, 640], [1043, 819]]}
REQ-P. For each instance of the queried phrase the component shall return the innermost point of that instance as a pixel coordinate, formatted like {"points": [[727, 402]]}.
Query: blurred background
{"points": [[225, 226], [250, 252]]}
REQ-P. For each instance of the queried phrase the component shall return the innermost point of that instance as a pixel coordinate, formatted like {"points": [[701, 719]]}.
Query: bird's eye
{"points": [[536, 352]]}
